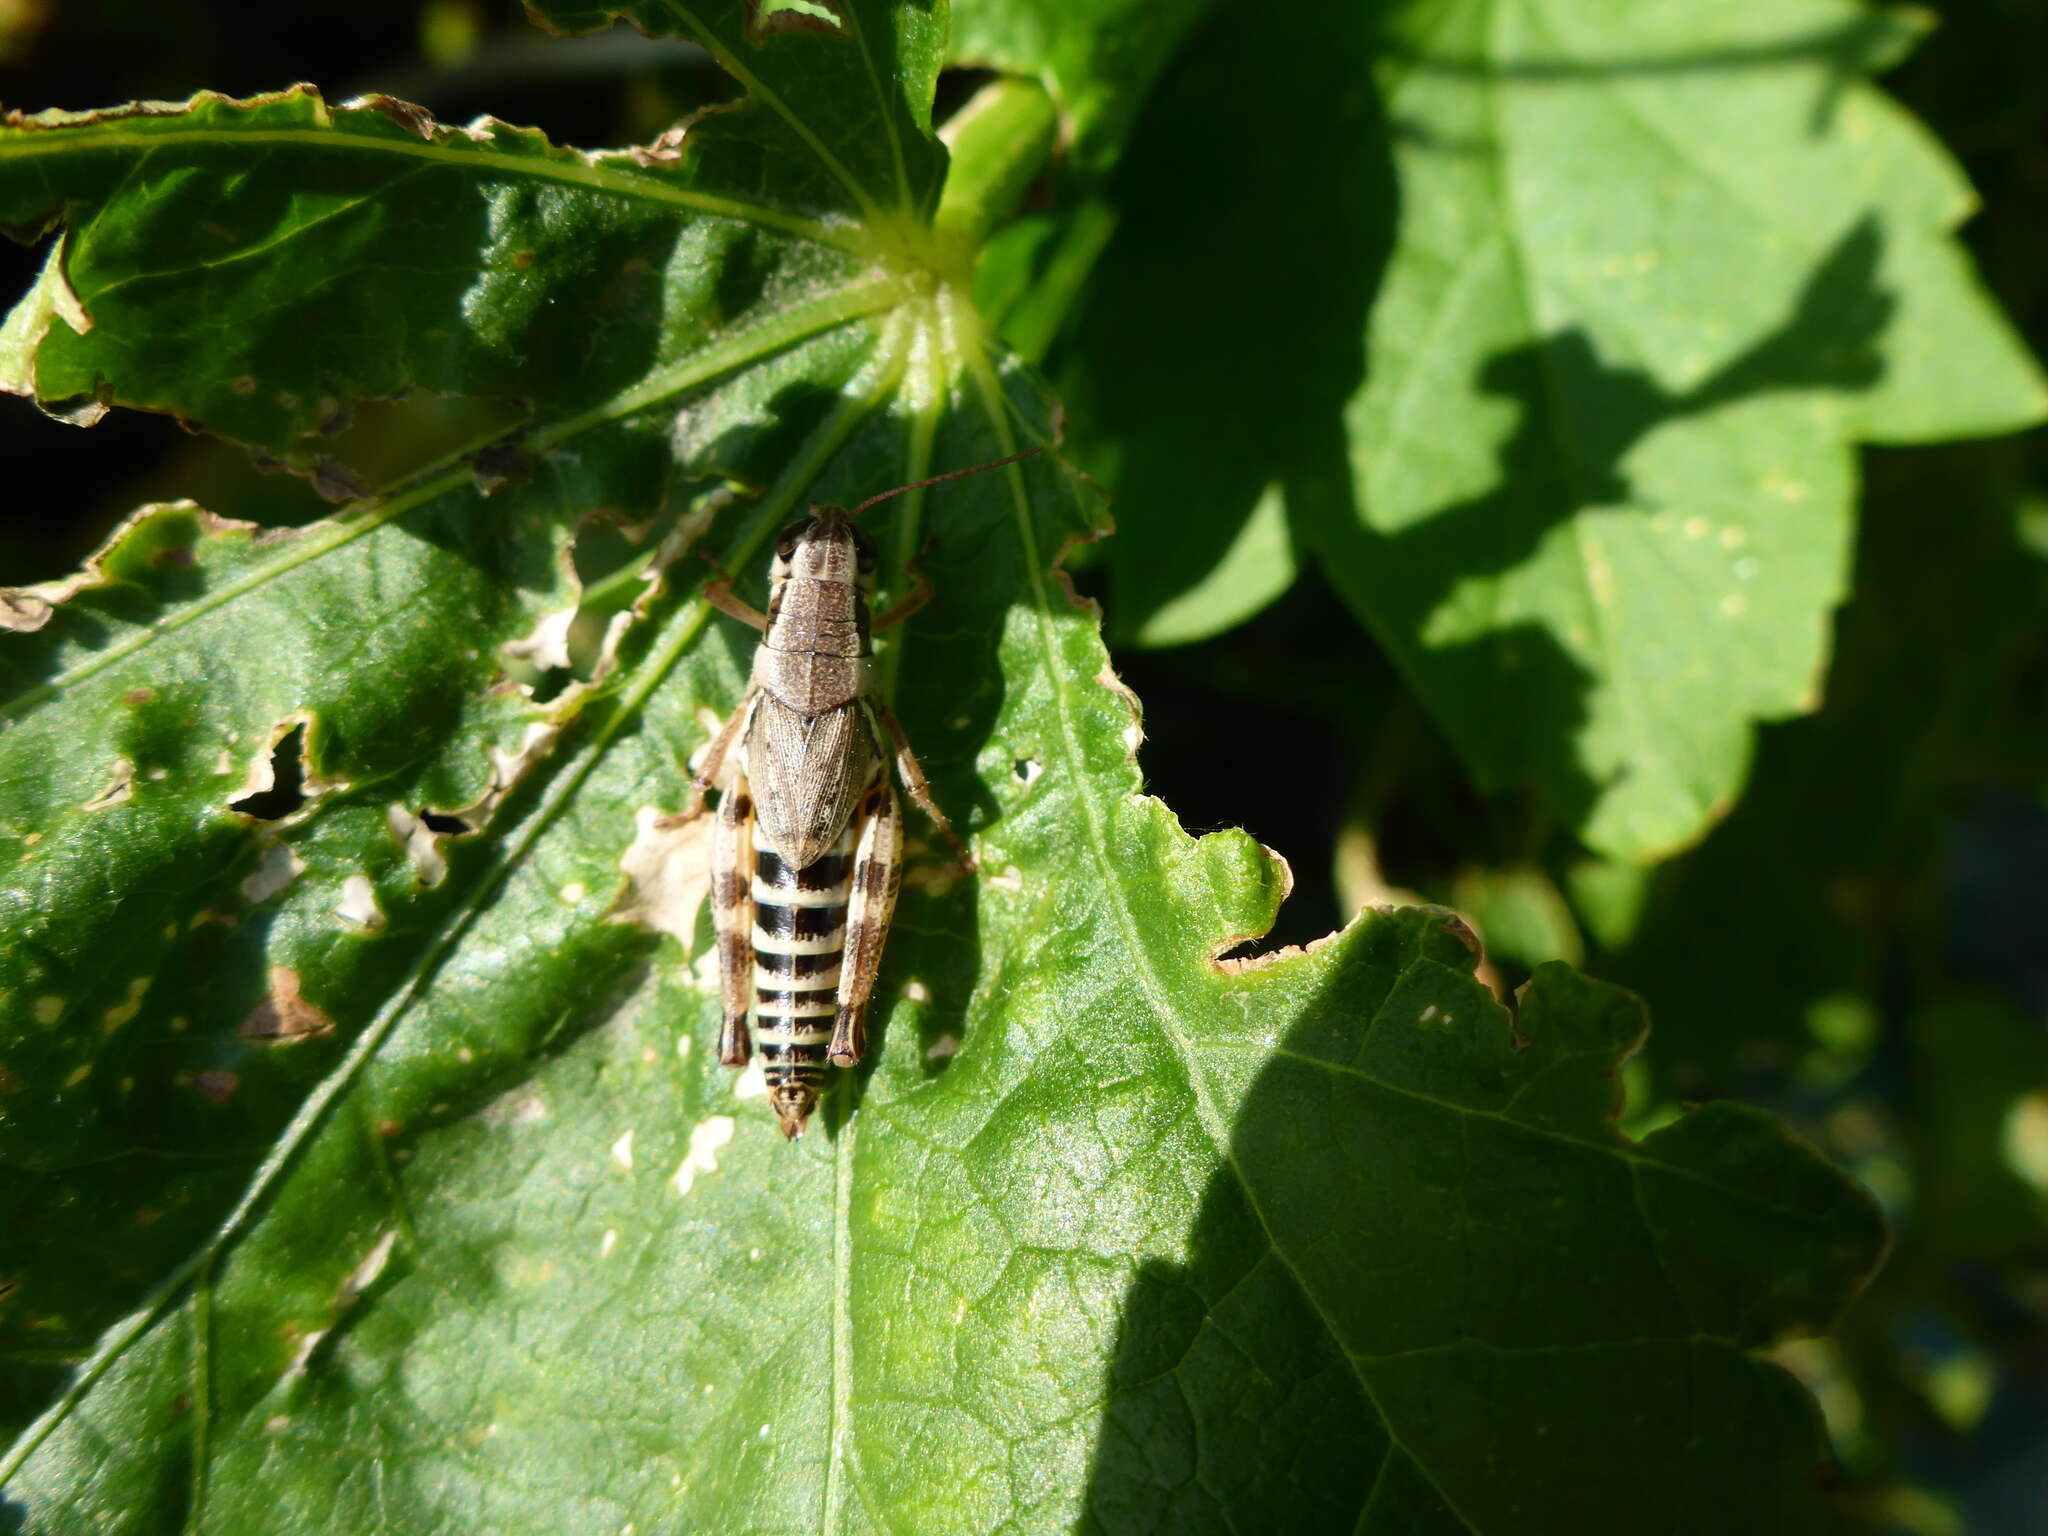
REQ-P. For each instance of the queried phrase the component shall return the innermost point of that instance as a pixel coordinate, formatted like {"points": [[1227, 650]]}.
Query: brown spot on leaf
{"points": [[217, 1083], [136, 697], [500, 465], [334, 481], [1461, 930], [119, 791], [284, 1015]]}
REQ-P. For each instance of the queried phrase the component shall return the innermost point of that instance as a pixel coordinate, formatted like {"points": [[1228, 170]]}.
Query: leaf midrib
{"points": [[735, 351], [485, 157], [759, 92], [1142, 970]]}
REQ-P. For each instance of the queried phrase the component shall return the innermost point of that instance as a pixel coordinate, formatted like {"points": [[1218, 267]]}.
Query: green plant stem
{"points": [[1000, 142]]}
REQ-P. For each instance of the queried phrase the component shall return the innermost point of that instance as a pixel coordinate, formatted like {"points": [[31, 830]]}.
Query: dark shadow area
{"points": [[1230, 1404], [1252, 327], [1512, 700], [1224, 1377], [1867, 874], [1861, 948], [1994, 860], [1233, 1404], [1213, 347], [1289, 739]]}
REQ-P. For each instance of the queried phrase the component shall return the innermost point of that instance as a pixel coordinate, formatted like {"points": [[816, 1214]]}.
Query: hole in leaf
{"points": [[500, 465], [549, 685], [784, 15], [287, 780], [1027, 769], [450, 826]]}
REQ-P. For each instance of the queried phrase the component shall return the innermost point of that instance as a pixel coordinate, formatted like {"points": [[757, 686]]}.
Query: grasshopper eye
{"points": [[786, 542]]}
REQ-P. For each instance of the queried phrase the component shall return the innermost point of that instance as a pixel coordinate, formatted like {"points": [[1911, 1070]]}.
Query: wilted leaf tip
{"points": [[413, 119], [1134, 733]]}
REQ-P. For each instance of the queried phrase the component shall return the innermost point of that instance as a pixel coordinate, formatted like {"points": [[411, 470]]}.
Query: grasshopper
{"points": [[808, 846]]}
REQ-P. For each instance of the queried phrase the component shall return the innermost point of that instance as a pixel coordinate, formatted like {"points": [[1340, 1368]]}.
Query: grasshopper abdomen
{"points": [[799, 941]]}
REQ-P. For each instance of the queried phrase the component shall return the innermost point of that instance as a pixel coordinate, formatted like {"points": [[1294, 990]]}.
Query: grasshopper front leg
{"points": [[713, 763], [914, 782], [877, 865]]}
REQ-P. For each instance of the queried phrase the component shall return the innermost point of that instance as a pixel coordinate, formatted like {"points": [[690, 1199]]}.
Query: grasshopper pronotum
{"points": [[808, 802]]}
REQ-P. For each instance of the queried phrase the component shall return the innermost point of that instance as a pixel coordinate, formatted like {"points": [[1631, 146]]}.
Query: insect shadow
{"points": [[950, 693]]}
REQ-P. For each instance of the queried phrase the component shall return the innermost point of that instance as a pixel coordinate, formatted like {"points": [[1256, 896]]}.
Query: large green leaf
{"points": [[368, 1163], [1602, 297]]}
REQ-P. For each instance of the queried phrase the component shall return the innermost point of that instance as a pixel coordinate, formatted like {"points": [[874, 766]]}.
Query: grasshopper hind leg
{"points": [[877, 866], [732, 911]]}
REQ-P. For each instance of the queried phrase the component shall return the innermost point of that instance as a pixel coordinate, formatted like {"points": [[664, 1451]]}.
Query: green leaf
{"points": [[393, 253], [1601, 459], [367, 1157], [1652, 273], [838, 112]]}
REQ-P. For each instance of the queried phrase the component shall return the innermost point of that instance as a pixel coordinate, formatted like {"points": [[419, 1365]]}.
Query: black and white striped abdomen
{"points": [[799, 941]]}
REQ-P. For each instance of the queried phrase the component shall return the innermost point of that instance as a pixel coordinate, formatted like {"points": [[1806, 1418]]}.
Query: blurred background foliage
{"points": [[1860, 946]]}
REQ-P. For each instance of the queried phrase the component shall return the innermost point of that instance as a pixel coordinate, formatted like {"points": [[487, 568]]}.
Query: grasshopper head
{"points": [[826, 546]]}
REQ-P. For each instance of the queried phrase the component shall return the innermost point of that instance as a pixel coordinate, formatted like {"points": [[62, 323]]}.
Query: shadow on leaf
{"points": [[1431, 1288]]}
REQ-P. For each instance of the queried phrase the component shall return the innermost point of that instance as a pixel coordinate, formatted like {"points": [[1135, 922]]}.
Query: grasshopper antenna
{"points": [[918, 485]]}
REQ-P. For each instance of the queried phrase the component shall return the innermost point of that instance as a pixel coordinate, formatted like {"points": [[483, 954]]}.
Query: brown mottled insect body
{"points": [[808, 845], [805, 857]]}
